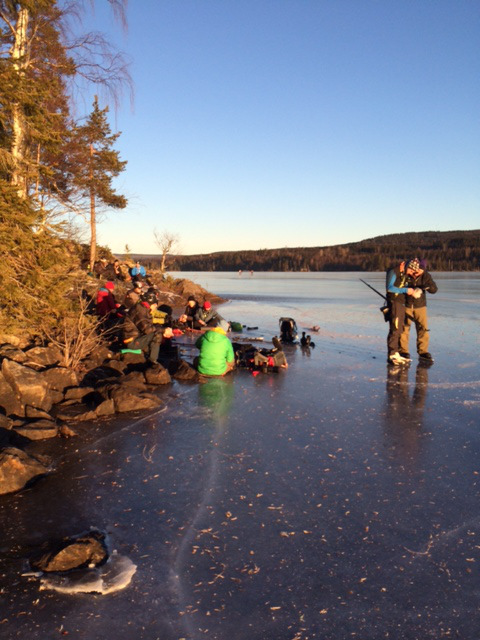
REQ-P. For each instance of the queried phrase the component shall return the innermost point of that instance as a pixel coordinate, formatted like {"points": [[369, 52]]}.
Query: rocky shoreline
{"points": [[41, 399]]}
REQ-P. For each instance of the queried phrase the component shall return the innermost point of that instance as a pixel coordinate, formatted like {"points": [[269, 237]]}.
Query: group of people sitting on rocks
{"points": [[142, 324]]}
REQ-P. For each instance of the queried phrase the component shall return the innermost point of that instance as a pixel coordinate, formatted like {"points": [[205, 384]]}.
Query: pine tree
{"points": [[96, 165], [36, 131]]}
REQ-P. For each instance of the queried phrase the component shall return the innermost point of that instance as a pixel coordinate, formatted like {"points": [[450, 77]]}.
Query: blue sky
{"points": [[281, 123]]}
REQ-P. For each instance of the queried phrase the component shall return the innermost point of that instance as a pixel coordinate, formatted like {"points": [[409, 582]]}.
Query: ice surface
{"points": [[335, 500]]}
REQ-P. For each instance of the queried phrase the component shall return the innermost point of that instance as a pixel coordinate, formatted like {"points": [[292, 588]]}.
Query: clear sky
{"points": [[288, 123]]}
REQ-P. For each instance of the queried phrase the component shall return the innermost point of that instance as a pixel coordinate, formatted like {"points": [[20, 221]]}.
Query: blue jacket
{"points": [[138, 272]]}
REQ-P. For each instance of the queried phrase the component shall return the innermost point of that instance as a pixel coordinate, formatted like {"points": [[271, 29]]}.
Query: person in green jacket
{"points": [[216, 357]]}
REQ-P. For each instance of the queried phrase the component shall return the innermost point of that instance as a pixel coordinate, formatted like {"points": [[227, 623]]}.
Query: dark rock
{"points": [[12, 353], [157, 374], [34, 413], [114, 364], [38, 430], [101, 393], [73, 413], [133, 358], [77, 393], [183, 371], [134, 379], [27, 384], [9, 400], [96, 358], [10, 438], [79, 413], [99, 374], [17, 469], [78, 552], [66, 432], [105, 408], [59, 378], [5, 423], [126, 399], [43, 356]]}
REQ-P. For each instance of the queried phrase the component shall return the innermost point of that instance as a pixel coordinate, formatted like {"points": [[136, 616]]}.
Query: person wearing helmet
{"points": [[416, 312], [399, 285]]}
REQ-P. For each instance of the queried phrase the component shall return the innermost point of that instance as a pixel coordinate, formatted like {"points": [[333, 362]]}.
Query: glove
{"points": [[417, 293]]}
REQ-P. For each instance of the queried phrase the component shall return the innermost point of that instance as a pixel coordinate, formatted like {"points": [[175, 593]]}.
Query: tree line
{"points": [[443, 250], [57, 163]]}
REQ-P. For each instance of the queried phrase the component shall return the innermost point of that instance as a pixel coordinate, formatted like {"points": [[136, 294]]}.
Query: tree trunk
{"points": [[18, 52], [162, 266], [93, 221]]}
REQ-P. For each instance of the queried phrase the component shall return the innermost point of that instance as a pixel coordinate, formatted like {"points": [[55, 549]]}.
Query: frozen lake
{"points": [[335, 500]]}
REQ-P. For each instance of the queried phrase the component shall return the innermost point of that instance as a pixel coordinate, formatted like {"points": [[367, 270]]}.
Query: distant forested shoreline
{"points": [[443, 250]]}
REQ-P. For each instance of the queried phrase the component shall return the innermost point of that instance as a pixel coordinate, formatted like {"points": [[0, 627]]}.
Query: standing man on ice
{"points": [[399, 285], [416, 311]]}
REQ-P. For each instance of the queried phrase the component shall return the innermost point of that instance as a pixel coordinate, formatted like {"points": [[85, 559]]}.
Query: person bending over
{"points": [[399, 285], [416, 312]]}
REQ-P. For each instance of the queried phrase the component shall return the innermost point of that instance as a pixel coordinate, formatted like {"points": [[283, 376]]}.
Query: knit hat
{"points": [[423, 264], [207, 305], [109, 285], [413, 264]]}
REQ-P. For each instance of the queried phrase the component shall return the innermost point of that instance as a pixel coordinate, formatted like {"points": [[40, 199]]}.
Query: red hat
{"points": [[109, 285], [207, 305]]}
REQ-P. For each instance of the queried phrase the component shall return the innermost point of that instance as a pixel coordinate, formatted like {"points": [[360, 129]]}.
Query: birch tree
{"points": [[166, 242]]}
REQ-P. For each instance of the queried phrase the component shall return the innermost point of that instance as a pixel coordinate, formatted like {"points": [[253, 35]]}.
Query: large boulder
{"points": [[41, 357], [127, 399], [182, 370], [38, 430], [12, 353], [9, 400], [157, 374], [97, 375], [28, 385], [17, 469], [78, 552], [76, 394], [81, 413], [5, 422], [59, 378], [36, 414]]}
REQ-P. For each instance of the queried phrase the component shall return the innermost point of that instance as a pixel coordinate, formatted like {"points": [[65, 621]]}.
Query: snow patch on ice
{"points": [[113, 576]]}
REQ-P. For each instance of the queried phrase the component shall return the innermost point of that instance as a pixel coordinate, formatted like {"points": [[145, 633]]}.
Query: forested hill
{"points": [[444, 251]]}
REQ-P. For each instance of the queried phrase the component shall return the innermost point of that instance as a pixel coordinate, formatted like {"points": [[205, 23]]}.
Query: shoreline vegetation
{"points": [[444, 251]]}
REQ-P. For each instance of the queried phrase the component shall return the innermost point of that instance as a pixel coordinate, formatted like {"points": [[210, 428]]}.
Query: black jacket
{"points": [[427, 284], [138, 321]]}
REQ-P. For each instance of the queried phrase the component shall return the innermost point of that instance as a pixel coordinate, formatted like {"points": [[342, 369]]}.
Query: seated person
{"points": [[106, 305], [133, 295], [205, 316], [138, 272], [216, 357], [139, 331], [99, 268], [188, 316]]}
